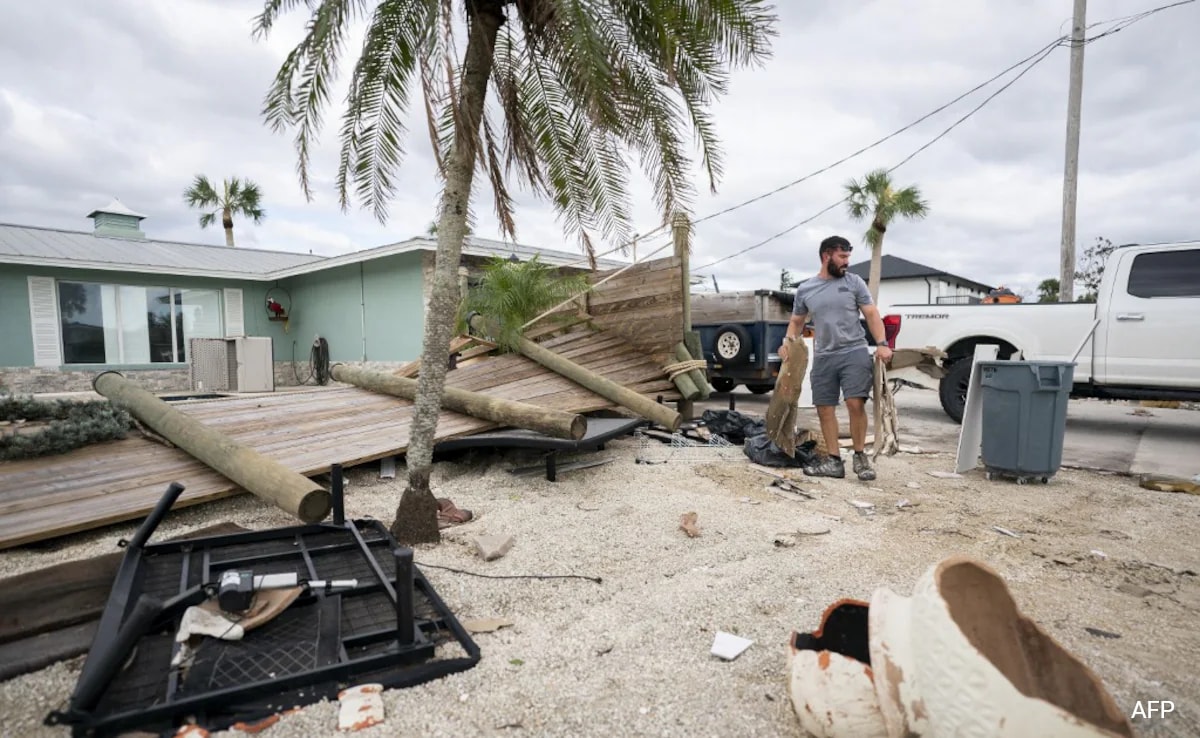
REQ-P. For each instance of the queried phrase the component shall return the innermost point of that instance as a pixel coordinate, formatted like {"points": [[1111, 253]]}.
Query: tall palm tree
{"points": [[236, 197], [878, 199], [548, 92]]}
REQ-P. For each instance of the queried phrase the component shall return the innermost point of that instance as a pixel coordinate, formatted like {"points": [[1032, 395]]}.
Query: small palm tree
{"points": [[878, 199], [236, 197], [511, 293], [553, 93]]}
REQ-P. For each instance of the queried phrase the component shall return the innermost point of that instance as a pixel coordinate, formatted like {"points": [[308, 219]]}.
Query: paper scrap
{"points": [[728, 646]]}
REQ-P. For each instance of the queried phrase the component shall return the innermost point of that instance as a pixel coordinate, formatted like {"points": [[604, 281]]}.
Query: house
{"points": [[906, 282], [75, 303]]}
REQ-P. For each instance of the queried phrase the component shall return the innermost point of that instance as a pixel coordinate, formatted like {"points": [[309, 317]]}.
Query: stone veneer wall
{"points": [[37, 380], [31, 380]]}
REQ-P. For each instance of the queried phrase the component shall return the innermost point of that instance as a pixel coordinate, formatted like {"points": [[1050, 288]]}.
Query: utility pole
{"points": [[1066, 276]]}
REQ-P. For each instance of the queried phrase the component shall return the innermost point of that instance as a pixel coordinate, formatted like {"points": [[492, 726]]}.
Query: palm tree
{"points": [[571, 82], [511, 293], [236, 198], [878, 199]]}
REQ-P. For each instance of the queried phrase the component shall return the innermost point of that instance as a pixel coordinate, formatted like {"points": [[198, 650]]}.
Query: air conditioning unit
{"points": [[242, 364]]}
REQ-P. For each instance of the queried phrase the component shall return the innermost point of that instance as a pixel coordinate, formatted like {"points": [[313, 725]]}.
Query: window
{"points": [[1166, 274], [122, 324]]}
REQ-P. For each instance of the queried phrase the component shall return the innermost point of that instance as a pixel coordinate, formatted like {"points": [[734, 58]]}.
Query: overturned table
{"points": [[599, 432]]}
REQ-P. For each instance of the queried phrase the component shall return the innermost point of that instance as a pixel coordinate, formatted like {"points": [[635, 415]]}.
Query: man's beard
{"points": [[836, 271]]}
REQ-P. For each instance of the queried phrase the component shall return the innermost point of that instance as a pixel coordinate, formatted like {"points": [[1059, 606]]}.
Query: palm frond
{"points": [[200, 194], [377, 103], [300, 91], [510, 294], [207, 219]]}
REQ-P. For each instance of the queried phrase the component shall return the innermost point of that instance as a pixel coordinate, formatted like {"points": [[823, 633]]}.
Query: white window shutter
{"points": [[235, 324], [43, 320]]}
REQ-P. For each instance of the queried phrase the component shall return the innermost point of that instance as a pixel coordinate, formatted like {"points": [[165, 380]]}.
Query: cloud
{"points": [[132, 99]]}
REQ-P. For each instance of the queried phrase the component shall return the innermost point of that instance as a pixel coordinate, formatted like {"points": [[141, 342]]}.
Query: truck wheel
{"points": [[731, 344], [722, 384], [952, 390], [760, 389]]}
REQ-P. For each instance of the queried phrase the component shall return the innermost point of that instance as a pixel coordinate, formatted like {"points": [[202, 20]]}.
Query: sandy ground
{"points": [[630, 656]]}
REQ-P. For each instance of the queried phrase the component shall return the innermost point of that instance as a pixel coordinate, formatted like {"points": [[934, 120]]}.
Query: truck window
{"points": [[1166, 274]]}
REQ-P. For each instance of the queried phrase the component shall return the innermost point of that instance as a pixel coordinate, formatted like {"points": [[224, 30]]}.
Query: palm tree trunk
{"points": [[876, 268], [877, 230], [227, 221], [416, 514]]}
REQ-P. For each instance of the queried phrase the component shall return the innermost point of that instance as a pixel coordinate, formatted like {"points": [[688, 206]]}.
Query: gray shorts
{"points": [[852, 373]]}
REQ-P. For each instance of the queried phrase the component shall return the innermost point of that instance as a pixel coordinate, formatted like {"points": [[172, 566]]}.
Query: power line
{"points": [[1044, 53], [1033, 60]]}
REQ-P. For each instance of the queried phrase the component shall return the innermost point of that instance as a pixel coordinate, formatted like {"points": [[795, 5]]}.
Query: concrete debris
{"points": [[486, 625], [945, 475], [361, 707], [864, 508], [492, 547]]}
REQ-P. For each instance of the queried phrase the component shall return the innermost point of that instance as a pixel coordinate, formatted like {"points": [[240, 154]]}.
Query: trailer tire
{"points": [[952, 390], [731, 344]]}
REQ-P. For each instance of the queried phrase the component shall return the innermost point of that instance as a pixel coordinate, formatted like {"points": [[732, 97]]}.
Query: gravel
{"points": [[630, 655]]}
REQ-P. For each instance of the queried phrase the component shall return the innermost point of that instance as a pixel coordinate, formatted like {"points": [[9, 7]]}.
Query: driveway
{"points": [[1110, 436]]}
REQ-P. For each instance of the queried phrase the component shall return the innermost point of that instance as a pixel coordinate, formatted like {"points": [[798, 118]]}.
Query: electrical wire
{"points": [[1030, 62], [597, 580]]}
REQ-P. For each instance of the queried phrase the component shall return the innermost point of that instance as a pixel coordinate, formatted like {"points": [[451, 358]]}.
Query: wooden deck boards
{"points": [[305, 430]]}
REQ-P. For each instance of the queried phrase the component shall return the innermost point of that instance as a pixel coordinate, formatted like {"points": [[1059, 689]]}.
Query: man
{"points": [[841, 360]]}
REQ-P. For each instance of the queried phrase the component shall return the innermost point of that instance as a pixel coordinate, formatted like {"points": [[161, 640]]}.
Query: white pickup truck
{"points": [[1138, 341]]}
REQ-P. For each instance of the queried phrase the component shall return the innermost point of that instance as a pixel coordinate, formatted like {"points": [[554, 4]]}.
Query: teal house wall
{"points": [[369, 311]]}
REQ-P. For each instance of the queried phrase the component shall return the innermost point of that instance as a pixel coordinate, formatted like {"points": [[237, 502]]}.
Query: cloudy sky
{"points": [[132, 98]]}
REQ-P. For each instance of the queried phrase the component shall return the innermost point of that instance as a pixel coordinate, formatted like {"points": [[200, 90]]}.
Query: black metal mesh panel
{"points": [[286, 645]]}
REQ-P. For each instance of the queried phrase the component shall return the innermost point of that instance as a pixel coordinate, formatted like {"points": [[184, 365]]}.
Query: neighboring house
{"points": [[75, 303], [904, 282]]}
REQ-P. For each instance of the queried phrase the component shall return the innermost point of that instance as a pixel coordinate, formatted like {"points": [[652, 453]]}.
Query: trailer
{"points": [[740, 335]]}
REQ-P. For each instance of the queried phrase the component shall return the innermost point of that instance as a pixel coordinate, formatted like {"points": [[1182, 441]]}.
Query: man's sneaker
{"points": [[828, 466], [862, 466]]}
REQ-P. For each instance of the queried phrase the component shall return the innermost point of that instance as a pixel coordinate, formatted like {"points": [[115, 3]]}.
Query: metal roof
{"points": [[85, 250], [116, 207]]}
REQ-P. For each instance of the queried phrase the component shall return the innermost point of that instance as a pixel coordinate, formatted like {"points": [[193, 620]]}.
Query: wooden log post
{"points": [[602, 386], [697, 375], [555, 423], [682, 231], [264, 477]]}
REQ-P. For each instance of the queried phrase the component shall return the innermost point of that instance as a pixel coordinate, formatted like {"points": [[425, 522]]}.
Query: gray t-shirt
{"points": [[833, 306]]}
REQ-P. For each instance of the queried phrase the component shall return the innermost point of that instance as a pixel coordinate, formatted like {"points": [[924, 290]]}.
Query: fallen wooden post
{"points": [[555, 423], [262, 476], [602, 386]]}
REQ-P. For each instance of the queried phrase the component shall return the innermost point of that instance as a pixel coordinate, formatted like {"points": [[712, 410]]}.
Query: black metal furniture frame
{"points": [[384, 630], [599, 432]]}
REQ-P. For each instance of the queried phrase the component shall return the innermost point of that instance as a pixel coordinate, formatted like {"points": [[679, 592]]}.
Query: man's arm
{"points": [[878, 333], [795, 331]]}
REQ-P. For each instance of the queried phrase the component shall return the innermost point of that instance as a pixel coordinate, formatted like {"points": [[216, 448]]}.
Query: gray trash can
{"points": [[1024, 417]]}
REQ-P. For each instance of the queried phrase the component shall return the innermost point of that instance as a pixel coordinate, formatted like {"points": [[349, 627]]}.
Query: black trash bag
{"points": [[732, 425], [762, 450]]}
